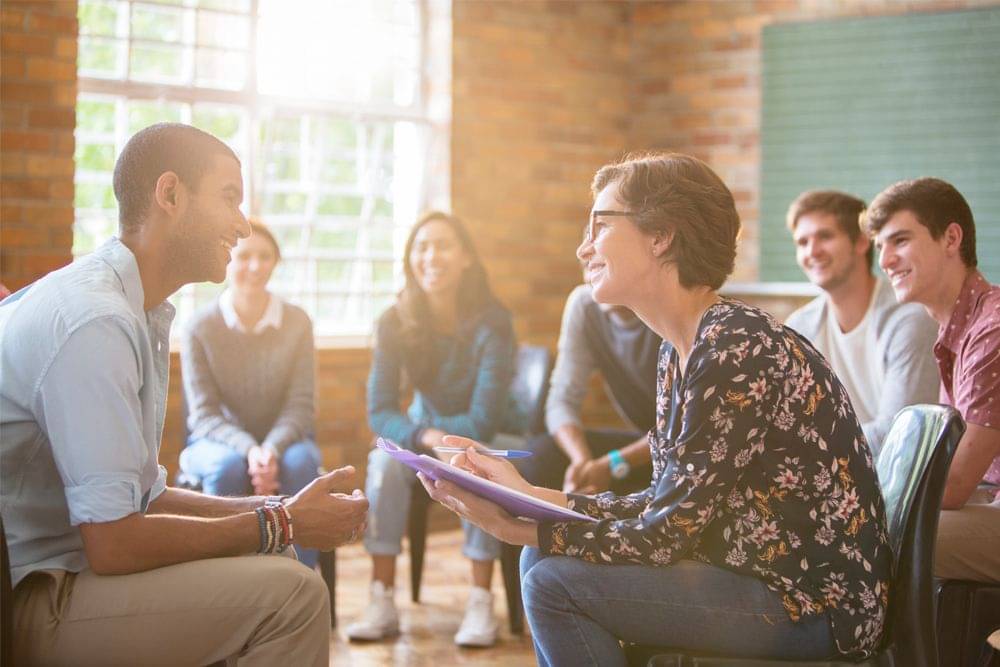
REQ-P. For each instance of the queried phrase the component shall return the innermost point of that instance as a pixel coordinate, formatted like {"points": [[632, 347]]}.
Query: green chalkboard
{"points": [[857, 104]]}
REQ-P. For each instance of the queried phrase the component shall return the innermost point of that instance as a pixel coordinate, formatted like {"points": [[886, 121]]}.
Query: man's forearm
{"points": [[181, 502], [571, 440], [142, 542]]}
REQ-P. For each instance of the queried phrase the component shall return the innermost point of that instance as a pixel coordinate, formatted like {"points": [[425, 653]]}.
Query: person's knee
{"points": [[302, 589], [230, 477], [299, 465], [383, 470], [542, 585]]}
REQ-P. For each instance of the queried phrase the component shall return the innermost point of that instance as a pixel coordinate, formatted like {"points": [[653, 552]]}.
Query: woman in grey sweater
{"points": [[247, 365]]}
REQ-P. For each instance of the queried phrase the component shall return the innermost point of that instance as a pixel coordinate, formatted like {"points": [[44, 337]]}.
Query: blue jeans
{"points": [[578, 612], [388, 486], [223, 472]]}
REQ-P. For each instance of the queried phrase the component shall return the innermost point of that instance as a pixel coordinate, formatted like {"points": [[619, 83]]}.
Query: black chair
{"points": [[912, 469], [6, 605], [967, 613], [529, 389], [327, 559]]}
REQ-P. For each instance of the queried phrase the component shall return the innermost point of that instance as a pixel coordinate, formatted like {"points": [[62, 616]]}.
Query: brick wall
{"points": [[543, 94], [696, 69], [37, 117]]}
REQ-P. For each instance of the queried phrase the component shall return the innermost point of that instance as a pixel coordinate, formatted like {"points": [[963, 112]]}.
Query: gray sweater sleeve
{"points": [[911, 373], [574, 364], [205, 416], [295, 422]]}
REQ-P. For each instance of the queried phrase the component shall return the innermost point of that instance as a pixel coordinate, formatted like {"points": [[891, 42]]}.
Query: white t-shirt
{"points": [[854, 358]]}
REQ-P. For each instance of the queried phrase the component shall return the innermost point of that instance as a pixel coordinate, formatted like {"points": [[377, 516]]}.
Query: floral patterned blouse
{"points": [[760, 467]]}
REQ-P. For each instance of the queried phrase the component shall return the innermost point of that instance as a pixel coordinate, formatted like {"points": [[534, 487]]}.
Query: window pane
{"points": [[223, 122], [95, 157], [223, 30], [221, 69], [98, 17], [95, 115], [101, 57], [227, 5], [158, 63], [143, 114], [95, 196], [164, 24]]}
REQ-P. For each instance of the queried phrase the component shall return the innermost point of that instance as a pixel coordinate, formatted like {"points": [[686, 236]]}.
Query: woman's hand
{"points": [[263, 468], [595, 476], [493, 468], [488, 516]]}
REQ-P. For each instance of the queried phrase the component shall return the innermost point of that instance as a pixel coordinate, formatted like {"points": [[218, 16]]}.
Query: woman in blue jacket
{"points": [[452, 343]]}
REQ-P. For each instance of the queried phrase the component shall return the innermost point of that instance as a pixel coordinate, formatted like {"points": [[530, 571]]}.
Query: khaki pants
{"points": [[258, 610], [968, 541]]}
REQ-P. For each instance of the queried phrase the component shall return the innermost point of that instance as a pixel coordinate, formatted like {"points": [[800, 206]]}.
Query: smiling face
{"points": [[437, 259], [253, 262], [212, 223], [616, 254], [825, 252], [912, 259]]}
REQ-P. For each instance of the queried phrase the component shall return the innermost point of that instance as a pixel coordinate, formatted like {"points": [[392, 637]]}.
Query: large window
{"points": [[328, 104]]}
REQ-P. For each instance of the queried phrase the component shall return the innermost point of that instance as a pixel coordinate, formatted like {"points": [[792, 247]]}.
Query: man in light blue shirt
{"points": [[109, 564]]}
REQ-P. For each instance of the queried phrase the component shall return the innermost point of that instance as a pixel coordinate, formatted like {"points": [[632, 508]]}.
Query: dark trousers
{"points": [[547, 466]]}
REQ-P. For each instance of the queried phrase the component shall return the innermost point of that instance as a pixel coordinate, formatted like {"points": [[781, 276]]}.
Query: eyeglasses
{"points": [[589, 236]]}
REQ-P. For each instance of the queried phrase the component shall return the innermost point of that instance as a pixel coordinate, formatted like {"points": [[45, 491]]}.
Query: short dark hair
{"points": [[154, 150], [845, 208], [935, 203], [680, 195], [258, 228]]}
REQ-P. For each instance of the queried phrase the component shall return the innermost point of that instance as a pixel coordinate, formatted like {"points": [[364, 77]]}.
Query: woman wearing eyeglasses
{"points": [[762, 533]]}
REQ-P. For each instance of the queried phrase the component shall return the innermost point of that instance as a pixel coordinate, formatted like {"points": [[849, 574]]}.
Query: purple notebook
{"points": [[516, 503]]}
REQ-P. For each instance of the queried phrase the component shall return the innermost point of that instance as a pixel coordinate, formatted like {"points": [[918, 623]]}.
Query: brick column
{"points": [[38, 42]]}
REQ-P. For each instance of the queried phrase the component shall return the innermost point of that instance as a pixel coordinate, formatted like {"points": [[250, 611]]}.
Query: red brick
{"points": [[49, 215], [66, 47], [20, 42], [24, 188], [65, 144], [62, 190], [10, 19], [12, 67], [11, 115], [12, 164], [53, 117], [10, 214], [49, 165], [24, 237], [61, 25], [31, 93], [48, 69], [36, 265], [25, 140]]}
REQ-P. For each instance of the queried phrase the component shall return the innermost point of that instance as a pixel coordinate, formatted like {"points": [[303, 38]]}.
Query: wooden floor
{"points": [[428, 627]]}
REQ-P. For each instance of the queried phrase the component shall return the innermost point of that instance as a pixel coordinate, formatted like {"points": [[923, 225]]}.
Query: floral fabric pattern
{"points": [[759, 466]]}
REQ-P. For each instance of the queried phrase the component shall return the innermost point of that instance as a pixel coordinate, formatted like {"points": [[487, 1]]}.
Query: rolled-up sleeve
{"points": [[87, 401]]}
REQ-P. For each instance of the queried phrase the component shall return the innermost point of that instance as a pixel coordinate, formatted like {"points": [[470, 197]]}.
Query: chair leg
{"points": [[417, 532], [510, 556], [328, 569]]}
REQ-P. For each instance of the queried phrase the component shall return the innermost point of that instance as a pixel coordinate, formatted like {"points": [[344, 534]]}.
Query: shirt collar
{"points": [[272, 316], [119, 257], [973, 289]]}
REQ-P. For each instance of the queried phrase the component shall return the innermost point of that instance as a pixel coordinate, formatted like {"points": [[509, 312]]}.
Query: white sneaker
{"points": [[380, 618], [479, 627]]}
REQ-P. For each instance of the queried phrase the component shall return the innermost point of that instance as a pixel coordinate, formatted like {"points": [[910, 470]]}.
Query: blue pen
{"points": [[499, 453]]}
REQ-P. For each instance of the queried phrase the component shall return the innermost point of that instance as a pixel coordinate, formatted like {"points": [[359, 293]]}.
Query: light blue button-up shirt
{"points": [[83, 391]]}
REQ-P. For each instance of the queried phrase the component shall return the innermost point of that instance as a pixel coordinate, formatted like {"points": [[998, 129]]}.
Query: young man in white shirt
{"points": [[881, 350]]}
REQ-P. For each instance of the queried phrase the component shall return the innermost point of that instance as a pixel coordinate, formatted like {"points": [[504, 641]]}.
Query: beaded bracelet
{"points": [[275, 524]]}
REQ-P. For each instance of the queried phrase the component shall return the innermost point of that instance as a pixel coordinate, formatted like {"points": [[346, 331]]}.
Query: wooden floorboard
{"points": [[428, 627]]}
